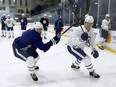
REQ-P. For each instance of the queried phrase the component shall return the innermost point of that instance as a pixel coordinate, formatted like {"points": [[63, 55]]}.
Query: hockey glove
{"points": [[84, 36], [95, 53], [55, 40]]}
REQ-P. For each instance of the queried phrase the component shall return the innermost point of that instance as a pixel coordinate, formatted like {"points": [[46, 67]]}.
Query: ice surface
{"points": [[55, 68]]}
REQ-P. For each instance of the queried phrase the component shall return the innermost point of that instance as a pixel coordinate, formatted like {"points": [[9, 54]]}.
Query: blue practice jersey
{"points": [[59, 24], [30, 39], [23, 21]]}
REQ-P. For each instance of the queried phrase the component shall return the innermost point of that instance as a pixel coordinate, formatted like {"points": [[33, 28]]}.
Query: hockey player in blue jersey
{"points": [[58, 26], [23, 22], [3, 26], [24, 47]]}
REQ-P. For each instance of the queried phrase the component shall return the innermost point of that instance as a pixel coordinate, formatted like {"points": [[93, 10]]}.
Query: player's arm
{"points": [[46, 46]]}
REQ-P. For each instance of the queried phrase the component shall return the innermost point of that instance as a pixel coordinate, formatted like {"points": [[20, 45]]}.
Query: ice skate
{"points": [[12, 36], [74, 66], [45, 38], [2, 36], [34, 77], [36, 68], [101, 47], [94, 74], [9, 37]]}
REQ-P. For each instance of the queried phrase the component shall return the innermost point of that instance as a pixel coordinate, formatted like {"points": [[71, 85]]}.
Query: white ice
{"points": [[55, 68]]}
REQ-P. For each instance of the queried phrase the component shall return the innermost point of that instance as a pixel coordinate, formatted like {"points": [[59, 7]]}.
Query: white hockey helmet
{"points": [[37, 25], [86, 15], [8, 15], [4, 14], [107, 15], [45, 15], [89, 19], [23, 14]]}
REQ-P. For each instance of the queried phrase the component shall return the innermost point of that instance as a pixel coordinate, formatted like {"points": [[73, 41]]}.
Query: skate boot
{"points": [[101, 47], [74, 66], [94, 74], [9, 37], [45, 38], [2, 35], [13, 36], [34, 77], [36, 68]]}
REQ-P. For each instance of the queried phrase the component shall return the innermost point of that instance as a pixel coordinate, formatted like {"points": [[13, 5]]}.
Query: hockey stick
{"points": [[67, 29]]}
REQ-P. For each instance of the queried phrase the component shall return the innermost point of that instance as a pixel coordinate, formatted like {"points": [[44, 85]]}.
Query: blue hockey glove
{"points": [[95, 53], [55, 40], [84, 36]]}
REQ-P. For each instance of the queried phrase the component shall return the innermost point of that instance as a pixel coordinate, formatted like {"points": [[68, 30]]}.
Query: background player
{"points": [[10, 22], [23, 22], [106, 25], [44, 20], [3, 26], [58, 26]]}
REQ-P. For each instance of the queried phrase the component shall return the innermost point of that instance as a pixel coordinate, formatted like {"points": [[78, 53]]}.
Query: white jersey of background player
{"points": [[77, 42], [106, 25], [10, 22]]}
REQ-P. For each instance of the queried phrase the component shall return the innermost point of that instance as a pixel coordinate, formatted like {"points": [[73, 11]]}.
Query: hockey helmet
{"points": [[8, 15], [37, 25], [45, 15], [89, 19], [86, 15], [4, 14], [107, 15], [23, 14]]}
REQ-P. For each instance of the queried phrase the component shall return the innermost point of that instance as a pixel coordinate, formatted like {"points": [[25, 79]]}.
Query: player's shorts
{"points": [[10, 28], [24, 54], [78, 53], [23, 27], [104, 33]]}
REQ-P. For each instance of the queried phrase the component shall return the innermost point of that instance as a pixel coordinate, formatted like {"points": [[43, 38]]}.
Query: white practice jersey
{"points": [[105, 24], [10, 22], [75, 38]]}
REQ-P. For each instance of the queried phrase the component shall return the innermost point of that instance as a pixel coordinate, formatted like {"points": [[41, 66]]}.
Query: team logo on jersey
{"points": [[44, 21]]}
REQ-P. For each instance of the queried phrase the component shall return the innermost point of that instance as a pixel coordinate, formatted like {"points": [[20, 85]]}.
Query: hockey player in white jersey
{"points": [[10, 22], [76, 44], [106, 25]]}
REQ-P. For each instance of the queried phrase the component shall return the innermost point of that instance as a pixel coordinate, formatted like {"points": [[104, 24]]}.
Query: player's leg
{"points": [[79, 54], [2, 33], [12, 32], [23, 28], [9, 32], [89, 66], [31, 67], [5, 31], [45, 32], [36, 58], [25, 56], [102, 40]]}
